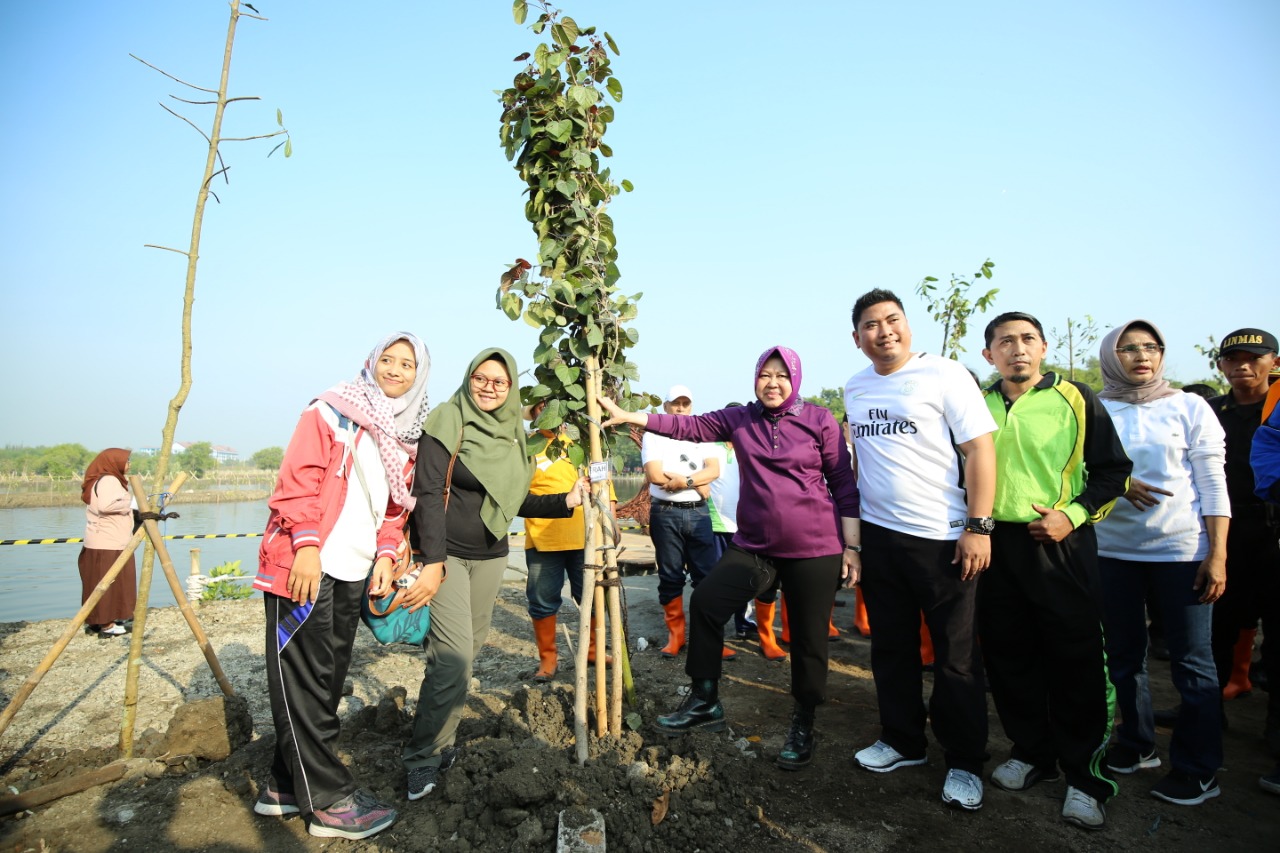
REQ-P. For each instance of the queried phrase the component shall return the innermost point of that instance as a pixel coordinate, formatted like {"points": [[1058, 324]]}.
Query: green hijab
{"points": [[493, 446]]}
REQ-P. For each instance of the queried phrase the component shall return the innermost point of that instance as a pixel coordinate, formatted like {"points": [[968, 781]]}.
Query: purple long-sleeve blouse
{"points": [[796, 477]]}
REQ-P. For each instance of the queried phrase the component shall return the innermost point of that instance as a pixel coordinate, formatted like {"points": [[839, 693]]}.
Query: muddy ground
{"points": [[517, 772]]}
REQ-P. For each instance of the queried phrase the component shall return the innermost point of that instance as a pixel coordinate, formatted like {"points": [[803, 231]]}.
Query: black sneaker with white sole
{"points": [[1182, 789]]}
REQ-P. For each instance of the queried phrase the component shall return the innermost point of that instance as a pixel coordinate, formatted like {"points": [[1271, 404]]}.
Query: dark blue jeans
{"points": [[682, 542], [1196, 746], [547, 571]]}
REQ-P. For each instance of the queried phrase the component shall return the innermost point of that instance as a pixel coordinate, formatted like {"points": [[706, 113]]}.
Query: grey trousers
{"points": [[461, 613]]}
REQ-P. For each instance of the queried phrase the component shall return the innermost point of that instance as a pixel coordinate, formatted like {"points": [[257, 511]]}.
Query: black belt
{"points": [[680, 504]]}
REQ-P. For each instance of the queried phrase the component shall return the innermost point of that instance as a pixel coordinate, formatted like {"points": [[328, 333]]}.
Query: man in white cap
{"points": [[679, 474]]}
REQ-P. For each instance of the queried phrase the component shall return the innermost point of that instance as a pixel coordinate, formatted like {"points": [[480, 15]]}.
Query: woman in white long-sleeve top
{"points": [[1170, 536]]}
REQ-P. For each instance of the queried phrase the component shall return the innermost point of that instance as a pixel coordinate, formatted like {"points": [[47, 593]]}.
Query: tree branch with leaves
{"points": [[953, 308], [552, 128]]}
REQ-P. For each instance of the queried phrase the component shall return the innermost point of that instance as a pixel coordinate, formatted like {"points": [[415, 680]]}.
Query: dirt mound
{"points": [[516, 772]]}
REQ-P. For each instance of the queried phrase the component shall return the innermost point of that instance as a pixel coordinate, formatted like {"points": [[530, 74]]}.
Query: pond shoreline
{"points": [[42, 500]]}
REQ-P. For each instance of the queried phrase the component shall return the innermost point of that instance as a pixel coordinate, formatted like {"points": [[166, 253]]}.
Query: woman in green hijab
{"points": [[482, 489]]}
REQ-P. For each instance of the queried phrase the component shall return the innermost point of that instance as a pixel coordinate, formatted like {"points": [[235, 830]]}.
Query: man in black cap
{"points": [[1246, 357]]}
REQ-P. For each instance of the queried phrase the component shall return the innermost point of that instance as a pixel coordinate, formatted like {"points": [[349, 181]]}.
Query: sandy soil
{"points": [[517, 773]]}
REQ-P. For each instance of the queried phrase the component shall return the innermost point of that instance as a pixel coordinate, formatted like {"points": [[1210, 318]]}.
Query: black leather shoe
{"points": [[797, 752], [701, 710]]}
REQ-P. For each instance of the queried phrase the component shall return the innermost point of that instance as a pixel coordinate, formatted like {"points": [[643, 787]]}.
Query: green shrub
{"points": [[227, 590]]}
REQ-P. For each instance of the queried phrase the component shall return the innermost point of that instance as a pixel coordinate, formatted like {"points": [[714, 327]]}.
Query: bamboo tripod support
{"points": [[600, 600], [155, 541], [150, 531]]}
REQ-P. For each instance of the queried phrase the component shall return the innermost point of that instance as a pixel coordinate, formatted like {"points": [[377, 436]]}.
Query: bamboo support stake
{"points": [[602, 710], [24, 692], [580, 665], [14, 803], [621, 667]]}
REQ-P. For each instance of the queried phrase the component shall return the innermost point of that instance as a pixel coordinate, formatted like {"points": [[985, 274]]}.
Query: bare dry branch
{"points": [[188, 121], [243, 98], [196, 103], [176, 79], [166, 248], [249, 138], [223, 171]]}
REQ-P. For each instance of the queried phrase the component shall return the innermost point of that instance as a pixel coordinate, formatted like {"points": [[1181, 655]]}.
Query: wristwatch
{"points": [[982, 526], [857, 549], [688, 482]]}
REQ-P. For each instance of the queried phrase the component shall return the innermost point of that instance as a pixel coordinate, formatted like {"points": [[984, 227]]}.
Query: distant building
{"points": [[225, 454], [177, 447], [220, 452]]}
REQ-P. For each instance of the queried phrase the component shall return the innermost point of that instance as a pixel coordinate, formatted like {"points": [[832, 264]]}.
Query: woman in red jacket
{"points": [[338, 508]]}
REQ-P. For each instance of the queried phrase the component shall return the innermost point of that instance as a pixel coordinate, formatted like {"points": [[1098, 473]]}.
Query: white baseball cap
{"points": [[678, 391]]}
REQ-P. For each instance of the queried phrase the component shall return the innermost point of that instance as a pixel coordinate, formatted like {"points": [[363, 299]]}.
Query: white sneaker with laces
{"points": [[882, 758], [962, 790], [1015, 775], [1083, 810]]}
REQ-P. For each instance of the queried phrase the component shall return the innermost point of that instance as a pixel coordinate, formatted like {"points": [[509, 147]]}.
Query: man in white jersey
{"points": [[922, 437]]}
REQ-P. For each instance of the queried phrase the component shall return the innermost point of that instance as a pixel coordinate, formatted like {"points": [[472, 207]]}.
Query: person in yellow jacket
{"points": [[553, 549]]}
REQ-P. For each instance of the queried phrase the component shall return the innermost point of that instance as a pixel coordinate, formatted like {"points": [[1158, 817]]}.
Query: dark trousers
{"points": [[1040, 620], [308, 653], [1196, 745], [1253, 593], [903, 575], [682, 541], [810, 589]]}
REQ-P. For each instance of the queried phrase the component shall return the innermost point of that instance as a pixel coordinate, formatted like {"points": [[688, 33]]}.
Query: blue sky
{"points": [[1113, 159]]}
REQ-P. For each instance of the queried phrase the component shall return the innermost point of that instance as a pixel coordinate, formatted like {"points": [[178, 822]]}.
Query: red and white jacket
{"points": [[310, 493]]}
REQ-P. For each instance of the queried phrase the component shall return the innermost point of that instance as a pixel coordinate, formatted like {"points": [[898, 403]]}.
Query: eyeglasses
{"points": [[693, 466], [1134, 349], [481, 382]]}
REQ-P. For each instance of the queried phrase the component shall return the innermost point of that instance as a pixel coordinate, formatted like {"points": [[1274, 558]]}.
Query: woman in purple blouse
{"points": [[797, 525]]}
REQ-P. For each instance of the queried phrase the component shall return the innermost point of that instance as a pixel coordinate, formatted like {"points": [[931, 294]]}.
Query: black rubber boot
{"points": [[700, 710], [797, 752]]}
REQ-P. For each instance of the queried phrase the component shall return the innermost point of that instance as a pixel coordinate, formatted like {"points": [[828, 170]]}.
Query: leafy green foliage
{"points": [[1209, 352], [1076, 341], [953, 308], [831, 399], [553, 123], [61, 460], [197, 458], [268, 458], [227, 590]]}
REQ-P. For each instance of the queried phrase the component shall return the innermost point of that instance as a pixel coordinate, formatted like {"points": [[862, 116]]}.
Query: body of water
{"points": [[43, 581]]}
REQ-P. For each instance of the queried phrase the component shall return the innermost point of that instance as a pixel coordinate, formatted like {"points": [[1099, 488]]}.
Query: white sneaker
{"points": [[882, 758], [1083, 810], [962, 790], [1015, 775]]}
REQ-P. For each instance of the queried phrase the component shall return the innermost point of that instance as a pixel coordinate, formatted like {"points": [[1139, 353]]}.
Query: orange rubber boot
{"points": [[674, 610], [544, 633], [764, 627], [786, 623], [860, 620], [926, 644], [1239, 683]]}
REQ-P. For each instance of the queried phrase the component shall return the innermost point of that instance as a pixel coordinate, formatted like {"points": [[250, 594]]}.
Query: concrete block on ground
{"points": [[581, 831]]}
